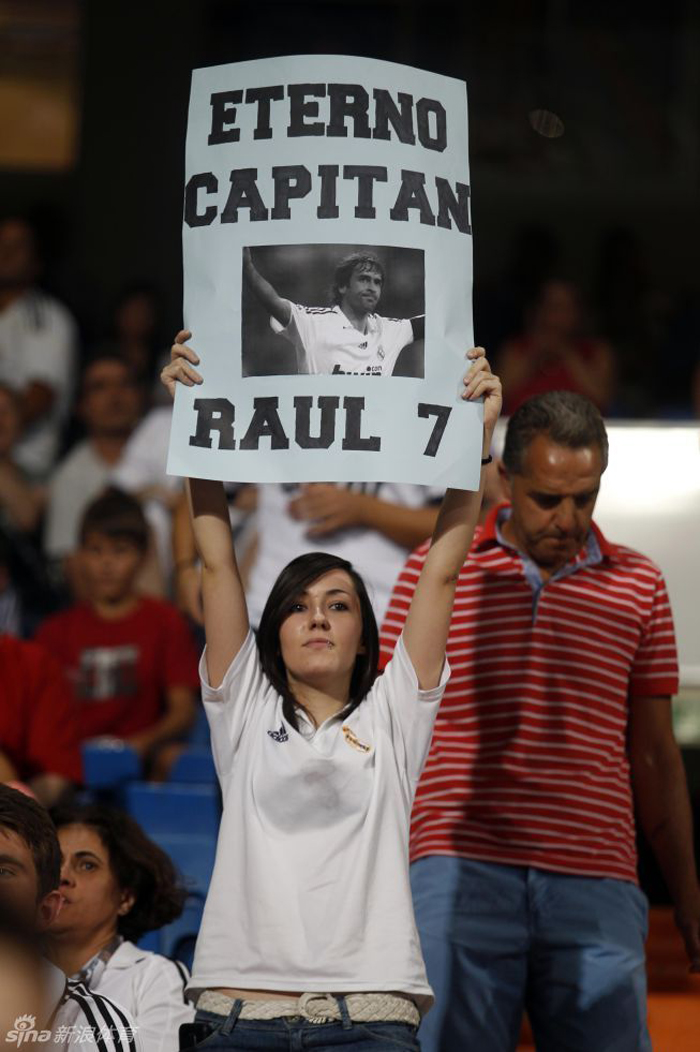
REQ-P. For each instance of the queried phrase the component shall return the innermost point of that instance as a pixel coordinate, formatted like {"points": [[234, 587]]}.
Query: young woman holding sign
{"points": [[308, 938]]}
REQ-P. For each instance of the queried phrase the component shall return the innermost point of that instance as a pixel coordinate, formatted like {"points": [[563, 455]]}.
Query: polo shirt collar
{"points": [[308, 729], [490, 536], [589, 555], [594, 550]]}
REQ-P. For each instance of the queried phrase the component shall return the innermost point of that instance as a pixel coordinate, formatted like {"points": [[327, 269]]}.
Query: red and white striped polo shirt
{"points": [[528, 764]]}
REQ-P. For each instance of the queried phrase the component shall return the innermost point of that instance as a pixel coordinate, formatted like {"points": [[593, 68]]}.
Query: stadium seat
{"points": [[193, 855], [174, 808], [195, 764], [107, 762]]}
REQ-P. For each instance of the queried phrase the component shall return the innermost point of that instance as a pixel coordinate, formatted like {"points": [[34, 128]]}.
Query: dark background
{"points": [[623, 77], [303, 274]]}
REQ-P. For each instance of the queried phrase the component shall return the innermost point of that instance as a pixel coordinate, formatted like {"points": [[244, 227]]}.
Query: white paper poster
{"points": [[327, 250]]}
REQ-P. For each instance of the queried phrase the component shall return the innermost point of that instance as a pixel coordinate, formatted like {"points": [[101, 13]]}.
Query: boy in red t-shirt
{"points": [[130, 658]]}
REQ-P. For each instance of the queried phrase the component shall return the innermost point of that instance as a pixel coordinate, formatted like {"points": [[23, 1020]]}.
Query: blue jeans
{"points": [[295, 1034], [498, 939]]}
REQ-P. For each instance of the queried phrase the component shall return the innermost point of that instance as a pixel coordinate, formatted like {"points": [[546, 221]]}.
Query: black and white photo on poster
{"points": [[347, 310], [327, 240]]}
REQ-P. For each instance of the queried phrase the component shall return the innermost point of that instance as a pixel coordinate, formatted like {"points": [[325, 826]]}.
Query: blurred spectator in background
{"points": [[142, 472], [116, 886], [39, 743], [21, 501], [135, 337], [110, 404], [37, 348], [27, 590], [130, 658], [553, 354]]}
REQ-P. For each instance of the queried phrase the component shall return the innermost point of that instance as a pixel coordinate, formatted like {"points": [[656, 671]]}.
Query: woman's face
{"points": [[322, 634], [92, 899]]}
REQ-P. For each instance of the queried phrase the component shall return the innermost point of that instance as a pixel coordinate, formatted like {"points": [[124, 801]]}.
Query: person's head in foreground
{"points": [[358, 284], [114, 882], [113, 546], [556, 450], [23, 987], [318, 630], [30, 860]]}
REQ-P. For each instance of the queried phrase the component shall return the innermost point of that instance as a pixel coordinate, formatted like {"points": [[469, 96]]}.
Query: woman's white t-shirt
{"points": [[310, 889]]}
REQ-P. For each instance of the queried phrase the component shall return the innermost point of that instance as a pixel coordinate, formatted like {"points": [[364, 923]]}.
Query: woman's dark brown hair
{"points": [[138, 865], [291, 583]]}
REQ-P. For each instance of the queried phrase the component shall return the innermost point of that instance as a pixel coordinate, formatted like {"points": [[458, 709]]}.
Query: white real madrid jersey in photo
{"points": [[326, 342], [310, 890]]}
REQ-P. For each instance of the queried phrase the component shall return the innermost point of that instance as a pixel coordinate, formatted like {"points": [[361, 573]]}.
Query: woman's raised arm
{"points": [[223, 598], [428, 620]]}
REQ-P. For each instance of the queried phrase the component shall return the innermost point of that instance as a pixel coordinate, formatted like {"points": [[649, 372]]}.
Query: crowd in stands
{"points": [[100, 598]]}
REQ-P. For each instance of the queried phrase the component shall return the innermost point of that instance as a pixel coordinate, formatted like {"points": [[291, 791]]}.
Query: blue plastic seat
{"points": [[174, 808], [193, 855], [107, 762], [195, 764]]}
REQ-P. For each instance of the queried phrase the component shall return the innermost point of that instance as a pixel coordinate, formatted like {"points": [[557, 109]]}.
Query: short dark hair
{"points": [[30, 821], [566, 418], [117, 515], [138, 865], [297, 576], [346, 268]]}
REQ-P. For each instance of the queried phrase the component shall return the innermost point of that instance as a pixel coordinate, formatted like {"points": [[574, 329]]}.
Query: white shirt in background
{"points": [[143, 466], [79, 478], [82, 1019], [38, 343]]}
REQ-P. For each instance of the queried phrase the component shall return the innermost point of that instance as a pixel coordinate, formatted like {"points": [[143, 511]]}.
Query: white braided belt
{"points": [[318, 1007]]}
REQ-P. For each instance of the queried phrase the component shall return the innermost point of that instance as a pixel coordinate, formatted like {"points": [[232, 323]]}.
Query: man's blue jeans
{"points": [[498, 939]]}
